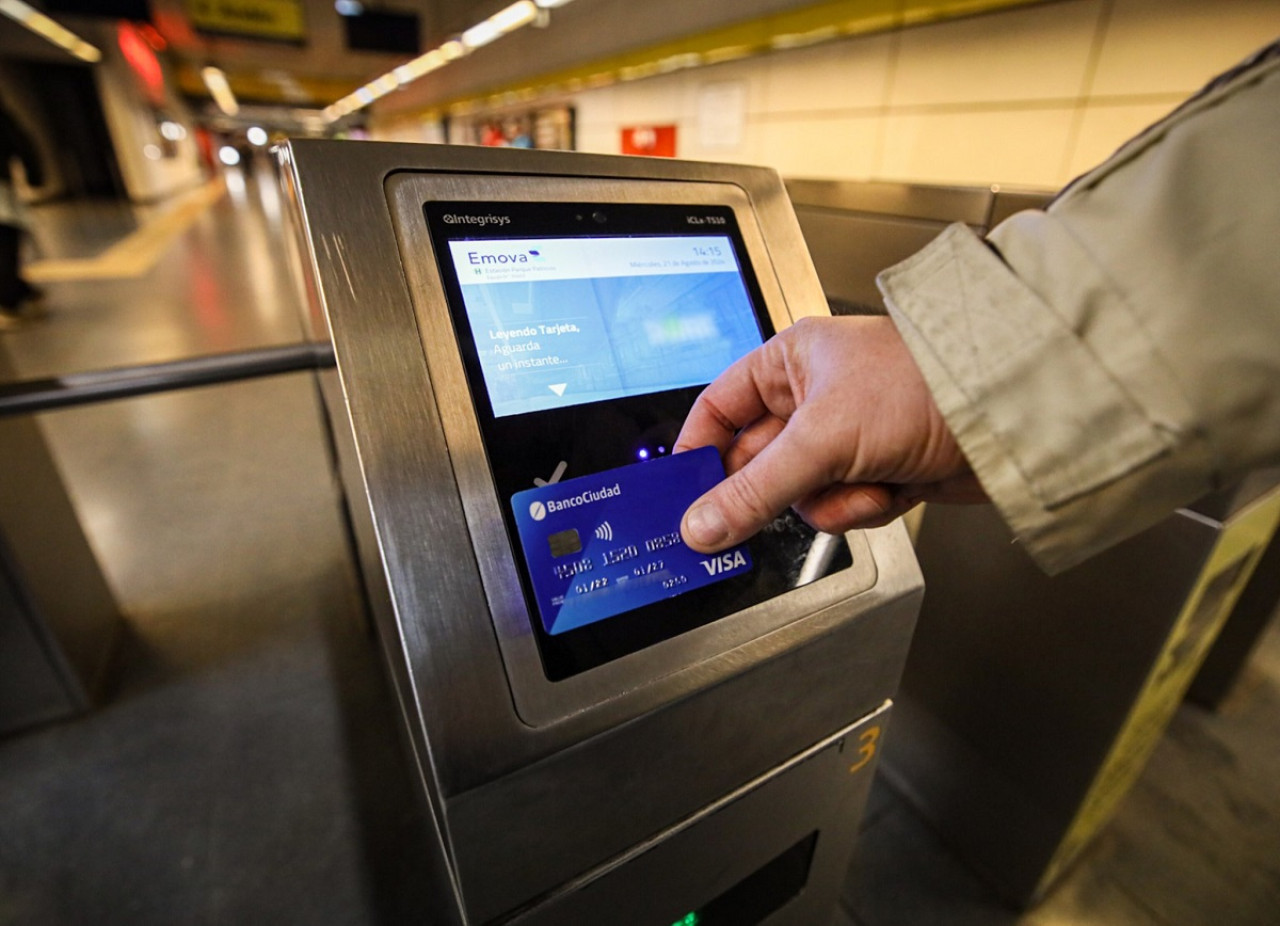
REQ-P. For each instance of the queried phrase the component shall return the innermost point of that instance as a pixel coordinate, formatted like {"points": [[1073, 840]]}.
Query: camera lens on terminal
{"points": [[600, 217]]}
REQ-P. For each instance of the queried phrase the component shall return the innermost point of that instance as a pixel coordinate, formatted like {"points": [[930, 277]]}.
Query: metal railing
{"points": [[22, 397]]}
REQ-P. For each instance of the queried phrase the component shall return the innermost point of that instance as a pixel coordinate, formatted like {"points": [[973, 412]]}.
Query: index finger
{"points": [[736, 398]]}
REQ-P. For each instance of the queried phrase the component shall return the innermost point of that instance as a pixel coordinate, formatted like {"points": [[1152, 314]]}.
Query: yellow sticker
{"points": [[1239, 547]]}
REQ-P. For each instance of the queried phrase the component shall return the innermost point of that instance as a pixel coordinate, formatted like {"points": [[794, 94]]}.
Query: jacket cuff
{"points": [[1041, 420]]}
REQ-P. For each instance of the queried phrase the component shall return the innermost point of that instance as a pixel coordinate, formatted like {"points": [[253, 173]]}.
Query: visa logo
{"points": [[725, 562]]}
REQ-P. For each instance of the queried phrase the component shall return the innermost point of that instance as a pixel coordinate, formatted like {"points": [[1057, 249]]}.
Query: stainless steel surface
{"points": [[246, 726], [822, 789], [36, 395], [850, 248], [1048, 669], [643, 679], [1067, 683], [1006, 203], [631, 781], [522, 808], [970, 205], [1222, 505], [856, 229], [58, 619], [36, 684]]}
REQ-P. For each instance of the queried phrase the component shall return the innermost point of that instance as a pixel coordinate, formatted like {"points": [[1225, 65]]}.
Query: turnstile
{"points": [[59, 622], [855, 229], [1030, 704], [1256, 606], [605, 730]]}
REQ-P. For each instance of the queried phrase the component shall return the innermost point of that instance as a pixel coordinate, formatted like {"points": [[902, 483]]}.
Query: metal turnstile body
{"points": [[1030, 704], [712, 774], [1256, 606], [856, 228], [59, 622]]}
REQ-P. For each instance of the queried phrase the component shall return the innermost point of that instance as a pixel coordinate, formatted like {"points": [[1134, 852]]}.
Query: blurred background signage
{"points": [[272, 20], [657, 141]]}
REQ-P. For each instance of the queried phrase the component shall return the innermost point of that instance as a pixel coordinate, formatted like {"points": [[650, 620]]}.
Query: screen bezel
{"points": [[593, 645], [661, 671]]}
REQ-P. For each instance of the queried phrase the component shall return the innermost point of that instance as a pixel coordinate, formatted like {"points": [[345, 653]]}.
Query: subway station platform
{"points": [[245, 764]]}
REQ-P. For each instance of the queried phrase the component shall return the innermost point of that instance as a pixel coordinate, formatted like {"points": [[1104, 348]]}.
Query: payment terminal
{"points": [[607, 725]]}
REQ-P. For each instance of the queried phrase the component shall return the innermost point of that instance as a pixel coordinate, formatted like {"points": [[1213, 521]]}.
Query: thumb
{"points": [[752, 497], [704, 526]]}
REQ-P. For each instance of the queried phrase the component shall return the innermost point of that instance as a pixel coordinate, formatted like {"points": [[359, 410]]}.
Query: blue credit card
{"points": [[599, 545]]}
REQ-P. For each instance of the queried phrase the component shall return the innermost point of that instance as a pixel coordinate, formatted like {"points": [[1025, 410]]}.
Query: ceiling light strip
{"points": [[49, 30], [216, 81], [505, 21], [821, 22]]}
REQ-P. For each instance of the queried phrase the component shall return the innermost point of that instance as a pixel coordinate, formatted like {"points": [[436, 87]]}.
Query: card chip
{"points": [[565, 542]]}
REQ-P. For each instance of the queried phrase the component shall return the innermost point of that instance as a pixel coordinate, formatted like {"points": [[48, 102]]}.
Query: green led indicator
{"points": [[689, 919]]}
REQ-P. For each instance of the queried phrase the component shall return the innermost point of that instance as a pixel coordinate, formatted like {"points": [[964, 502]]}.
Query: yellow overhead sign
{"points": [[273, 20]]}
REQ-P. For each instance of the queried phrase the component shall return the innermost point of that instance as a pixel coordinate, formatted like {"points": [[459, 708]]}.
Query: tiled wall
{"points": [[1030, 97]]}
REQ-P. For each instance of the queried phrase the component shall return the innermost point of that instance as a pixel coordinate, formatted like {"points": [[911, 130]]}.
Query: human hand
{"points": [[832, 417]]}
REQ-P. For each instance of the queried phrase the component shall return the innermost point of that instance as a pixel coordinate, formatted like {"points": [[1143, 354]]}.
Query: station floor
{"points": [[245, 766]]}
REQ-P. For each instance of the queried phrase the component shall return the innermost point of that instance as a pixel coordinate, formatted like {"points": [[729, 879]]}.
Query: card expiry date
{"points": [[600, 545]]}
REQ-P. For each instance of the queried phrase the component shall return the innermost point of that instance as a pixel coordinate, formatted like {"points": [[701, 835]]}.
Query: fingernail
{"points": [[705, 526]]}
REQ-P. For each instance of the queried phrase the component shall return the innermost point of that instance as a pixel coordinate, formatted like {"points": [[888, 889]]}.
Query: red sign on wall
{"points": [[142, 61], [657, 141]]}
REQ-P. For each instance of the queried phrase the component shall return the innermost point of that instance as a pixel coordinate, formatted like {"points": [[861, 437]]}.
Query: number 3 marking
{"points": [[867, 750]]}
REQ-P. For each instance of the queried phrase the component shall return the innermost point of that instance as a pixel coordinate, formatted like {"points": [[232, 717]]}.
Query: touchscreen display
{"points": [[587, 331], [562, 321]]}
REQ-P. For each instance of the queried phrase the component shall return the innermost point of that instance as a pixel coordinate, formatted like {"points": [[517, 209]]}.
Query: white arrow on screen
{"points": [[558, 388]]}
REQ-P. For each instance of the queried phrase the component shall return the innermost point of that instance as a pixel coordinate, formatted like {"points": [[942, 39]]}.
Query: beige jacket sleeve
{"points": [[1118, 355]]}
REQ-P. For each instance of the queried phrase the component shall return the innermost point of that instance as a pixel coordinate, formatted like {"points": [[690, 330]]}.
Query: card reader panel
{"points": [[634, 657], [587, 330]]}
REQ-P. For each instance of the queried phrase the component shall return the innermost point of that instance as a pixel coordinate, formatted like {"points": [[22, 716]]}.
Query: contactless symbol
{"points": [[537, 511], [604, 531]]}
